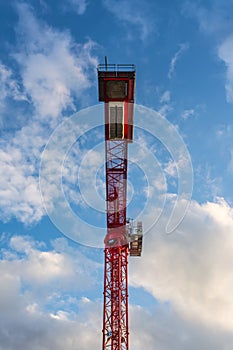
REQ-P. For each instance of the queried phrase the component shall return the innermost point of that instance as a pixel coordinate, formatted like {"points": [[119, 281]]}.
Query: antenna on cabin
{"points": [[106, 62]]}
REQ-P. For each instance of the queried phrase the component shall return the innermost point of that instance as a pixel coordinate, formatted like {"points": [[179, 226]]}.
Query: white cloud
{"points": [[165, 100], [225, 52], [40, 330], [165, 109], [35, 311], [55, 70], [213, 18], [216, 22], [23, 244], [191, 269], [171, 168], [166, 96], [79, 6], [37, 267], [41, 267], [9, 86], [132, 13], [11, 93], [53, 73], [164, 329], [182, 48], [187, 113], [189, 272], [19, 190], [10, 288], [230, 164]]}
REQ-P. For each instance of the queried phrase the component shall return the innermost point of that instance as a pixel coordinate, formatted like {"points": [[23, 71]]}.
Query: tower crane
{"points": [[116, 83]]}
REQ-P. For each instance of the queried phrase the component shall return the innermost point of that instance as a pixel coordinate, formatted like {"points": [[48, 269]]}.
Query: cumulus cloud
{"points": [[53, 72], [163, 328], [191, 269], [19, 190], [34, 264], [189, 273], [35, 310]]}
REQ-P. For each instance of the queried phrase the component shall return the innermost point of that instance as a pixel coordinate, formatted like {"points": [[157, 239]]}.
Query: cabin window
{"points": [[117, 89], [116, 122]]}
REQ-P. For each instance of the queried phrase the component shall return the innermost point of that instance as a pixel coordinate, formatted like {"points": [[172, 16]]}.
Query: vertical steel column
{"points": [[115, 320], [115, 327]]}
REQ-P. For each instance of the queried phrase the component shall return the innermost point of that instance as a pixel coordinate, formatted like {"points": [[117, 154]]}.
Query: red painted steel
{"points": [[116, 89], [115, 322], [127, 120]]}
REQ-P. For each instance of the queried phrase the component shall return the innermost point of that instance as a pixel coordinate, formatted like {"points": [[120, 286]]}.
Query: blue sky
{"points": [[51, 285]]}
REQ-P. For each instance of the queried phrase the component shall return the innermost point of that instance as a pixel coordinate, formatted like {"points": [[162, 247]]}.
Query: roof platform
{"points": [[116, 71]]}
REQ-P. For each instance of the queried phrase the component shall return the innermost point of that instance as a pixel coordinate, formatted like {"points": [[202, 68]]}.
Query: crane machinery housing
{"points": [[116, 84]]}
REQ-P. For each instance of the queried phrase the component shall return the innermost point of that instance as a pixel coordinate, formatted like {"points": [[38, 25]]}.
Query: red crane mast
{"points": [[116, 90]]}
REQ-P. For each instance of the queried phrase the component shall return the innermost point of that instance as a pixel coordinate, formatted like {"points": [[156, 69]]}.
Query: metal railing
{"points": [[116, 67]]}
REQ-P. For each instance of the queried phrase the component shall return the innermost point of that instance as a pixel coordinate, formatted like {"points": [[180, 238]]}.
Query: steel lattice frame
{"points": [[116, 182], [115, 318], [115, 331]]}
